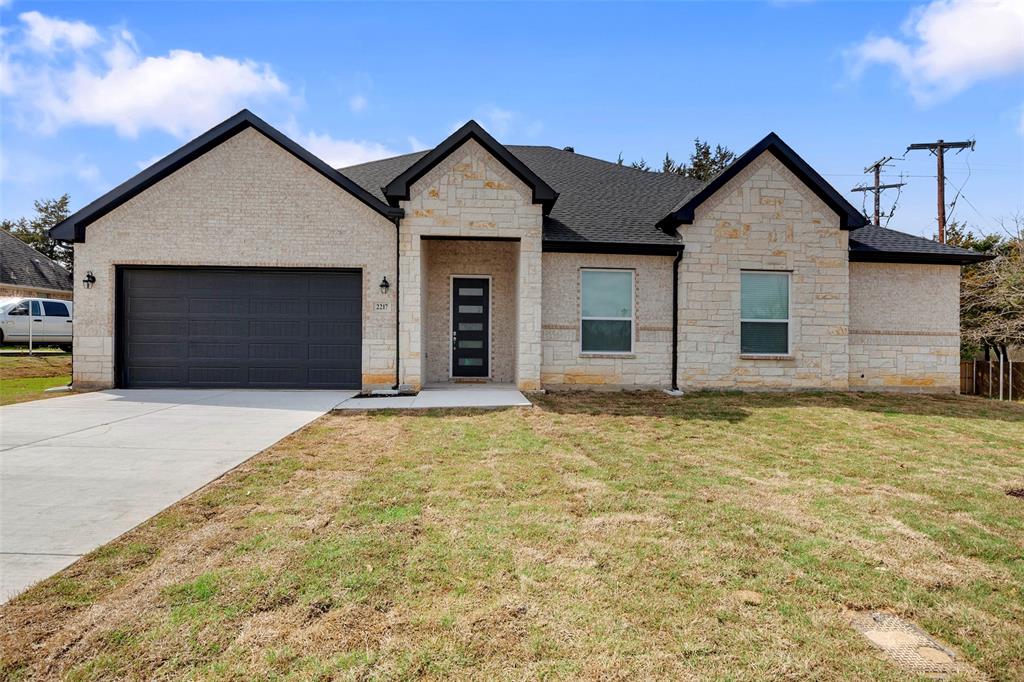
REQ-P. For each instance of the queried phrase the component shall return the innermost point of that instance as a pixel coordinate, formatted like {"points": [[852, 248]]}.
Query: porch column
{"points": [[528, 306], [410, 333]]}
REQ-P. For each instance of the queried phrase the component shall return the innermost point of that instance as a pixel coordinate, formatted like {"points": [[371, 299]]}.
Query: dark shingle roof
{"points": [[605, 203], [598, 201], [874, 243], [22, 265]]}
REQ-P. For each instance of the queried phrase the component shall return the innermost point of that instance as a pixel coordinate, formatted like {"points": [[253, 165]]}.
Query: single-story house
{"points": [[24, 272], [243, 260]]}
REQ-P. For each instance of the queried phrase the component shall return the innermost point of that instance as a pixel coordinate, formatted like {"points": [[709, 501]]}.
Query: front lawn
{"points": [[26, 377], [595, 536]]}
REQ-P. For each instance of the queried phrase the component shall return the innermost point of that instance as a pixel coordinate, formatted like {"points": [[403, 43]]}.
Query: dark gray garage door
{"points": [[206, 327]]}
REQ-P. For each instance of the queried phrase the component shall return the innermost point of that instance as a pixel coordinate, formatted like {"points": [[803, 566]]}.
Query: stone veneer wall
{"points": [[566, 366], [905, 327], [471, 195], [247, 202], [444, 258], [764, 219]]}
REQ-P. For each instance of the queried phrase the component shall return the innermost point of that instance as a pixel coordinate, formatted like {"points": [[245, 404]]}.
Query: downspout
{"points": [[398, 300], [675, 317]]}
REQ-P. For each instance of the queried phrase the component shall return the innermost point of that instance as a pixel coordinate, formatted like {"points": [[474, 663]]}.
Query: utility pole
{"points": [[878, 187], [939, 149]]}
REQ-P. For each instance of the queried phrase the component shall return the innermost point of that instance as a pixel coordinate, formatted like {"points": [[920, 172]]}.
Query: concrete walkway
{"points": [[444, 396], [78, 471]]}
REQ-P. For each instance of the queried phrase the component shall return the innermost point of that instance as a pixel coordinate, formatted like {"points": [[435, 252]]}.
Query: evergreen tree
{"points": [[33, 231]]}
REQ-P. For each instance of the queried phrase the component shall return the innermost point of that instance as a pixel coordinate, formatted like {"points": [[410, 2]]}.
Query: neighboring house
{"points": [[243, 260], [26, 272]]}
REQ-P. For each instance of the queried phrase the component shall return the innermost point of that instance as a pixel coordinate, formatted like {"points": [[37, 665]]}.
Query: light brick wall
{"points": [[12, 291], [764, 219], [905, 327], [444, 258], [246, 202], [565, 365], [472, 195]]}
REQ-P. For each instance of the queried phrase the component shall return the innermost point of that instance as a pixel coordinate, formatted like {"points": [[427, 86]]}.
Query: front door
{"points": [[471, 320]]}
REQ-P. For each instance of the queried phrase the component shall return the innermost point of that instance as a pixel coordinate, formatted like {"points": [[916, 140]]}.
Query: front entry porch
{"points": [[473, 300]]}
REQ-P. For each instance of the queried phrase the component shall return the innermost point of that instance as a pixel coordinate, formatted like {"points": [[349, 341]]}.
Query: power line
{"points": [[939, 148], [877, 188]]}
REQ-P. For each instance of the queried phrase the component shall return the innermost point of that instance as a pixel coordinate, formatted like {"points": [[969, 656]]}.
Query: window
{"points": [[764, 313], [55, 309], [36, 310], [606, 319]]}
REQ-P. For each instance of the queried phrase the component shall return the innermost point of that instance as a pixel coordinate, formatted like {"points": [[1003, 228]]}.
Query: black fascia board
{"points": [[849, 217], [631, 248], [398, 189], [879, 256], [73, 227]]}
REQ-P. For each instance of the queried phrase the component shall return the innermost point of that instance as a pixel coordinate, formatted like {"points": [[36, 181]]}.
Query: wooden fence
{"points": [[978, 377]]}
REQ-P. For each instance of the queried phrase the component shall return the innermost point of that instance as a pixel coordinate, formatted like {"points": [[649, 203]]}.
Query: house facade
{"points": [[241, 260]]}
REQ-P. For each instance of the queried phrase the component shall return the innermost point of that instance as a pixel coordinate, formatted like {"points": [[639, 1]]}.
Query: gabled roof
{"points": [[73, 228], [21, 265], [849, 217], [398, 189], [601, 205], [874, 244]]}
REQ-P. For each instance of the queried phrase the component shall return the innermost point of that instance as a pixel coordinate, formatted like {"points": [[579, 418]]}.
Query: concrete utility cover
{"points": [[909, 646], [80, 470]]}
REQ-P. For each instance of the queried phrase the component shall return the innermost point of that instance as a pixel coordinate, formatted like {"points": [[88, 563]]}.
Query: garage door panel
{"points": [[144, 376], [214, 350], [216, 376], [333, 308], [215, 327], [331, 329], [140, 328], [245, 328], [218, 306], [277, 306], [151, 306], [156, 350]]}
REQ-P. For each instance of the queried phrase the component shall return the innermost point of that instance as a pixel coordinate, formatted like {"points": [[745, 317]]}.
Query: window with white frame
{"points": [[606, 311], [764, 313]]}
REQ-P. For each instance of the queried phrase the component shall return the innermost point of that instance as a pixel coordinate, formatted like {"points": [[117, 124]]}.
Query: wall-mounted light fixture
{"points": [[89, 280], [385, 285]]}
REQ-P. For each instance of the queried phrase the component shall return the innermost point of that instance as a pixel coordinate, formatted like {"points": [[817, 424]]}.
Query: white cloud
{"points": [[503, 123], [44, 33], [340, 153], [948, 46], [357, 103], [414, 144], [107, 81]]}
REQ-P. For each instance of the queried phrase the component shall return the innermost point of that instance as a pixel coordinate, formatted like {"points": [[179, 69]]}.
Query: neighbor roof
{"points": [[22, 265], [601, 205], [872, 243], [73, 228]]}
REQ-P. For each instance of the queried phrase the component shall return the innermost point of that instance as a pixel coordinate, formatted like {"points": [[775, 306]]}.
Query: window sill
{"points": [[771, 356], [607, 354]]}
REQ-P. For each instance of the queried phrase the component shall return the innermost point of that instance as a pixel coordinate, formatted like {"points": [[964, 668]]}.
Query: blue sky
{"points": [[93, 92]]}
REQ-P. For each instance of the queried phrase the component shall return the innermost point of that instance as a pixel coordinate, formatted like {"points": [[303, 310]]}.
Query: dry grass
{"points": [[597, 536], [26, 377]]}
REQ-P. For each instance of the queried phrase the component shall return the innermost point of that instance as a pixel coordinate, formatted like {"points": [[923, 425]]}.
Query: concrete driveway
{"points": [[78, 471]]}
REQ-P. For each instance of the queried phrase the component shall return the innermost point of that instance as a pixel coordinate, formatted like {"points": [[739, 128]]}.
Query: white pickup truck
{"points": [[36, 320]]}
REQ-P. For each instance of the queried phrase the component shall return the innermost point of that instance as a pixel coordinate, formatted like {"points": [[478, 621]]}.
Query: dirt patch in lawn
{"points": [[31, 366], [613, 536]]}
